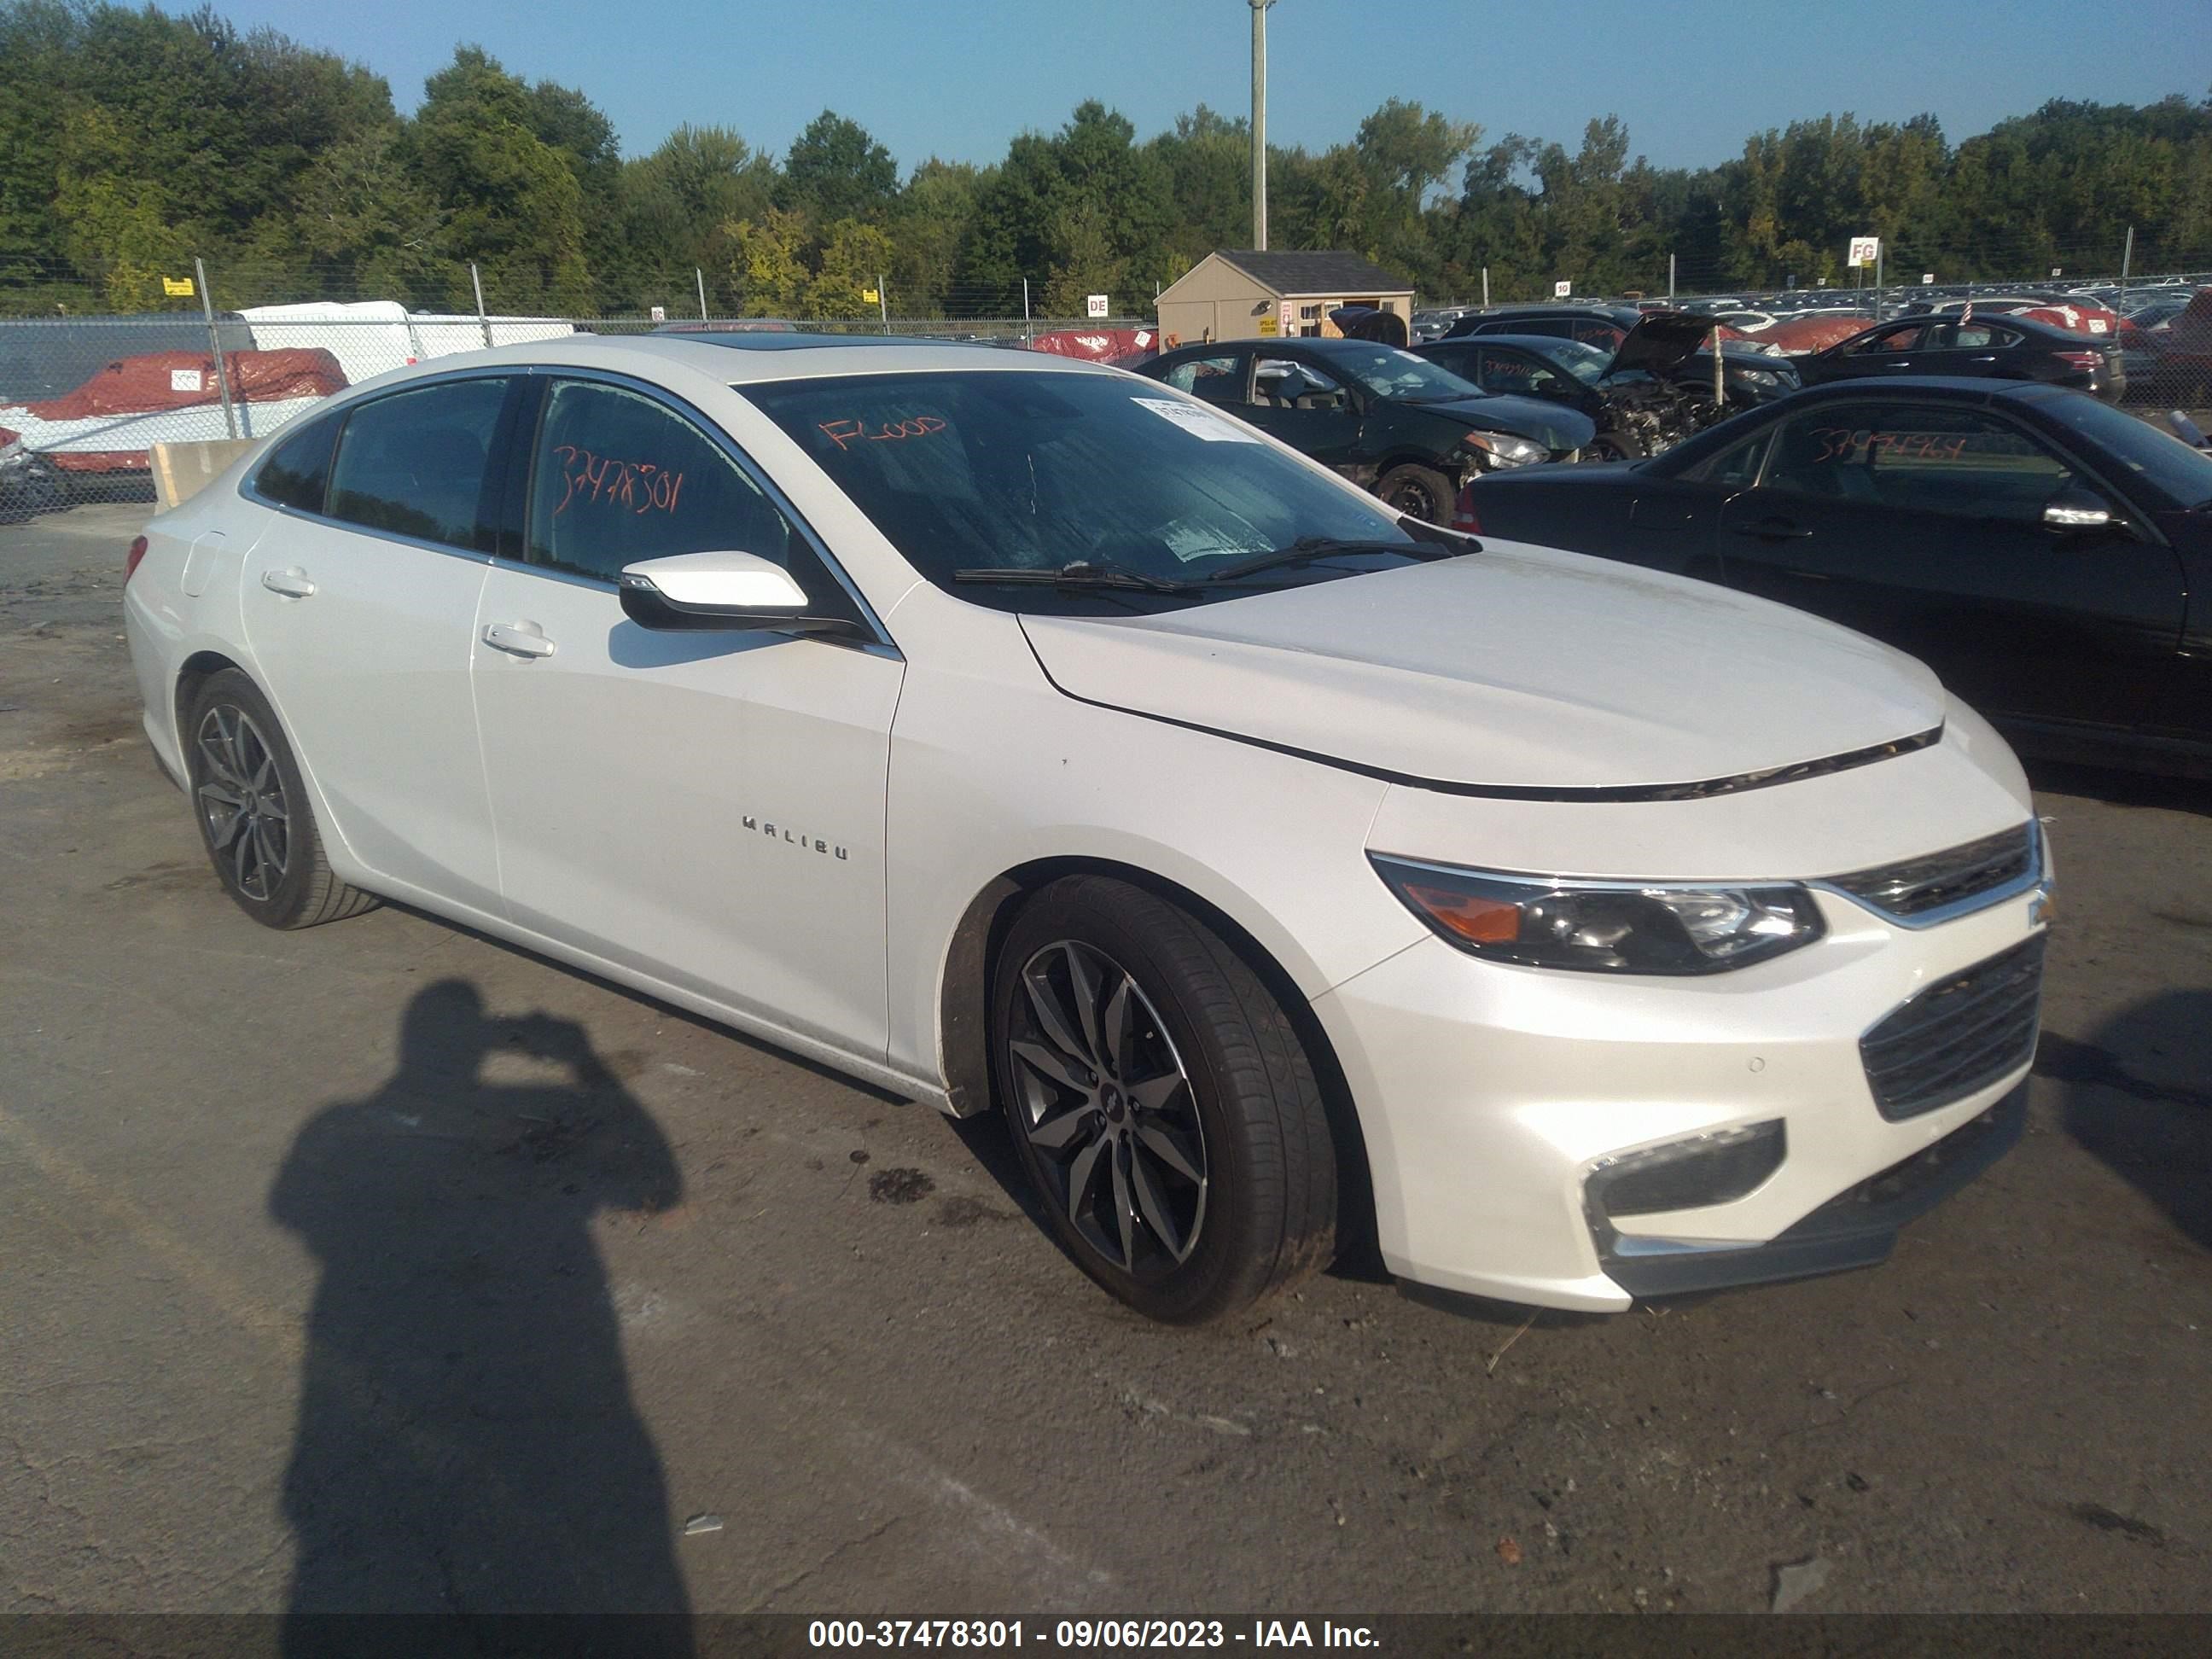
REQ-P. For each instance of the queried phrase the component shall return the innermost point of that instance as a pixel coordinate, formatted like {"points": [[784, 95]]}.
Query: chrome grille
{"points": [[1911, 889], [1942, 1044]]}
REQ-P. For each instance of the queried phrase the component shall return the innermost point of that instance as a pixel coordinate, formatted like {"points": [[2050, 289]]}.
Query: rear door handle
{"points": [[521, 639], [292, 584], [1773, 530]]}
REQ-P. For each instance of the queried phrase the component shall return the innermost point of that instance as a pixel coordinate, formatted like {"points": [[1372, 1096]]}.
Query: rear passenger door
{"points": [[705, 809], [357, 600], [1921, 523]]}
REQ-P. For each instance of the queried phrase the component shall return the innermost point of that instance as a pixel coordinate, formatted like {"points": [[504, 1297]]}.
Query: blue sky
{"points": [[959, 78]]}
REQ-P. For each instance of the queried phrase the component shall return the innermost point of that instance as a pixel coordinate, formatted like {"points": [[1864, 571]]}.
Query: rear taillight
{"points": [[2084, 361], [130, 559], [1463, 513]]}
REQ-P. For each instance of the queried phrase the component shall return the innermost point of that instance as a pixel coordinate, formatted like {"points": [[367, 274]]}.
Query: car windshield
{"points": [[1585, 362], [1026, 471], [1386, 372], [2152, 454]]}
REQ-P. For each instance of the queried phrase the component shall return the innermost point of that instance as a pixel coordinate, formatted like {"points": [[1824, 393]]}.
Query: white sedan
{"points": [[998, 728]]}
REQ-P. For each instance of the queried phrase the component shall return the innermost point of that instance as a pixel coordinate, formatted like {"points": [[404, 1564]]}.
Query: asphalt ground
{"points": [[384, 1266]]}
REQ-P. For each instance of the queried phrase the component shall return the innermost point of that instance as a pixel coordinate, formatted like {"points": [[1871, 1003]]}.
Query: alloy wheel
{"points": [[1106, 1102], [240, 796]]}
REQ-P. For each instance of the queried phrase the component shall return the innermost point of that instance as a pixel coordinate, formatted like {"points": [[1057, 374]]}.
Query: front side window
{"points": [[297, 473], [1278, 383], [1038, 469], [1736, 467], [617, 476], [415, 464], [1924, 458]]}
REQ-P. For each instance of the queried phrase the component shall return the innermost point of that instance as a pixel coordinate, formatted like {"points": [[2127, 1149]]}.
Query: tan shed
{"points": [[1240, 293]]}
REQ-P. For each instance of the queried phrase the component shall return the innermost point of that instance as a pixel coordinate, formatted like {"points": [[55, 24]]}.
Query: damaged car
{"points": [[1649, 394], [1404, 427]]}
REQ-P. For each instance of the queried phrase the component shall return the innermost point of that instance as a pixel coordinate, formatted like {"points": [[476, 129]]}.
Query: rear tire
{"points": [[1419, 492], [1161, 1101], [251, 806]]}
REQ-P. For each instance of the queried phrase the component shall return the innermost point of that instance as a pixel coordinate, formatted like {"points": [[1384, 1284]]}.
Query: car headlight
{"points": [[1759, 376], [1498, 449], [1605, 927]]}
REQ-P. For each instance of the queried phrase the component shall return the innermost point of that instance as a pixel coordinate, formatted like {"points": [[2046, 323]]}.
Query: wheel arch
{"points": [[964, 1009], [196, 670]]}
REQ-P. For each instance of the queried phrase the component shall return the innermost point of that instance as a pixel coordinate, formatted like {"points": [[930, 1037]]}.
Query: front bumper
{"points": [[1491, 1094], [1855, 1228]]}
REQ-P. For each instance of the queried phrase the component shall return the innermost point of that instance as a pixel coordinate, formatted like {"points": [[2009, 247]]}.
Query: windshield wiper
{"points": [[1309, 548], [1083, 573]]}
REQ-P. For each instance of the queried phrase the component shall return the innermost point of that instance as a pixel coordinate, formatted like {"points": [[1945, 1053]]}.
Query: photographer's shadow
{"points": [[466, 1440]]}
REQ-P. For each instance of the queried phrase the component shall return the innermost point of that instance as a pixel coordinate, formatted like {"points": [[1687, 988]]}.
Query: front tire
{"points": [[1161, 1101], [1419, 492], [252, 805]]}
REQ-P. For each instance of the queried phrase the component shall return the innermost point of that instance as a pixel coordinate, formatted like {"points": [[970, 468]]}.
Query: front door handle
{"points": [[292, 584], [1773, 530], [520, 639]]}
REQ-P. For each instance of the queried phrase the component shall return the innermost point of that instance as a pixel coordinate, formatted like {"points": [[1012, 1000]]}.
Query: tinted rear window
{"points": [[414, 463]]}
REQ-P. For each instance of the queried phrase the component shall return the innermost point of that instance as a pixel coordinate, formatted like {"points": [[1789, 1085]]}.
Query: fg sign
{"points": [[1098, 303], [1561, 290], [1865, 249]]}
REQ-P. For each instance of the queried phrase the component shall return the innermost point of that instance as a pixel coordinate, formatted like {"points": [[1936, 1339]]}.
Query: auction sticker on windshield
{"points": [[1199, 423]]}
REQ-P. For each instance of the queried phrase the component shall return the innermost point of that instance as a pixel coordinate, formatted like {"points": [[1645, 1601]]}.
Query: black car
{"points": [[1397, 423], [1611, 386], [2005, 347], [1603, 326], [2050, 556]]}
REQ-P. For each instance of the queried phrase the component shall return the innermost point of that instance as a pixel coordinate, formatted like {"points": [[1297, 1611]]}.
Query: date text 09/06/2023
{"points": [[1086, 1633]]}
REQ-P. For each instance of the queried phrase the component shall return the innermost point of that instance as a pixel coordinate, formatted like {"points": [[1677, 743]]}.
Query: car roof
{"points": [[735, 359]]}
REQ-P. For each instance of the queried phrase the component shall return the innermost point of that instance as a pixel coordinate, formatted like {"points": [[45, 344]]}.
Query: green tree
{"points": [[837, 171], [854, 257], [767, 264]]}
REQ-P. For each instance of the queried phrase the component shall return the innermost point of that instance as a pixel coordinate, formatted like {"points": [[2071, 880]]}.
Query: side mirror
{"points": [[718, 591], [2077, 510]]}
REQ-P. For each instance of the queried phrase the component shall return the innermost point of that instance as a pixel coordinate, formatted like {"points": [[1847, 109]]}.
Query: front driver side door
{"points": [[703, 808], [1305, 406], [1922, 524]]}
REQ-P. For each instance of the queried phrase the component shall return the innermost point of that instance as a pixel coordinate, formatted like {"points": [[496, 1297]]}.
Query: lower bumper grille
{"points": [[1960, 1035]]}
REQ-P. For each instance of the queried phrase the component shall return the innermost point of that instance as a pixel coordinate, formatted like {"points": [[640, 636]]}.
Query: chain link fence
{"points": [[87, 388], [85, 399]]}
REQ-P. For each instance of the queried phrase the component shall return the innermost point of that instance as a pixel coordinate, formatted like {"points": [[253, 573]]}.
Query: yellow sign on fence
{"points": [[870, 295], [177, 287]]}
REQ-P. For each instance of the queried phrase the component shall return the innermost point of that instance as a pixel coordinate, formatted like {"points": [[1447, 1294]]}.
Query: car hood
{"points": [[1555, 426], [1661, 340], [1517, 668]]}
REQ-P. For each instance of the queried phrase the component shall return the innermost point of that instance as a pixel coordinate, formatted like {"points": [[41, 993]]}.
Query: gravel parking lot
{"points": [[385, 1265]]}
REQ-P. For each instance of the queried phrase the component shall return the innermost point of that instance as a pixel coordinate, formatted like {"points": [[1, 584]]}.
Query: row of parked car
{"points": [[1957, 485]]}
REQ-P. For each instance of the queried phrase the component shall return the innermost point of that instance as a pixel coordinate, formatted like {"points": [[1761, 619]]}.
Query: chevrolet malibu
{"points": [[1006, 730]]}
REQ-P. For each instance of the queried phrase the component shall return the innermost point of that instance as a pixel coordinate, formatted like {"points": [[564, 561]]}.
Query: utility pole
{"points": [[1259, 123], [2127, 258]]}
